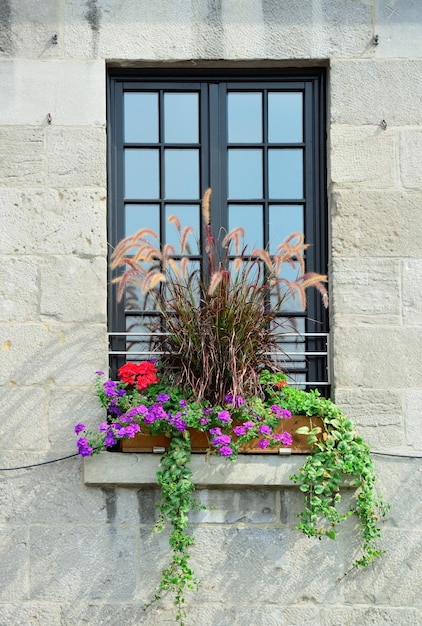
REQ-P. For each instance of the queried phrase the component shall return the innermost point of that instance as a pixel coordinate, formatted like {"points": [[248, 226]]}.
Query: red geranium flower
{"points": [[140, 374], [281, 384]]}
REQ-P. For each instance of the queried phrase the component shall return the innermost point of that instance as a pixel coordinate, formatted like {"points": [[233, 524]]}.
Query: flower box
{"points": [[200, 441]]}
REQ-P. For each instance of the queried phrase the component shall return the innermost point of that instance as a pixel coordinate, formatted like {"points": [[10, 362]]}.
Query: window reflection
{"points": [[284, 220], [244, 112], [181, 174], [285, 173], [249, 217], [139, 216], [140, 117], [245, 173], [285, 117], [181, 117], [188, 215], [141, 173]]}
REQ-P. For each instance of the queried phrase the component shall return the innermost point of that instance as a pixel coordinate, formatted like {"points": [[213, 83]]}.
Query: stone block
{"points": [[366, 291], [69, 221], [73, 289], [372, 223], [76, 157], [22, 157], [72, 92], [382, 437], [380, 358], [412, 291], [14, 558], [28, 28], [19, 290], [399, 27], [380, 89], [410, 158], [114, 614], [370, 616], [36, 354], [393, 580], [361, 157], [23, 425], [129, 30], [105, 563], [246, 506], [399, 479], [27, 612], [371, 407], [67, 407], [413, 417]]}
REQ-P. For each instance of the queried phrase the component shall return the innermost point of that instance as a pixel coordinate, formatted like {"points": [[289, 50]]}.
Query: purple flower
{"points": [[180, 424], [141, 409], [264, 443], [236, 401], [239, 430], [286, 414], [203, 421], [215, 431], [221, 440], [79, 428], [248, 424], [130, 430], [226, 451], [110, 388], [99, 373], [103, 427], [275, 408], [285, 438], [162, 397], [224, 416], [264, 430], [109, 439], [84, 449], [183, 403]]}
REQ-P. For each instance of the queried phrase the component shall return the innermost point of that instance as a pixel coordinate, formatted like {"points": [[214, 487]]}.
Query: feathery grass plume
{"points": [[174, 219], [168, 249], [234, 236], [183, 240], [206, 206]]}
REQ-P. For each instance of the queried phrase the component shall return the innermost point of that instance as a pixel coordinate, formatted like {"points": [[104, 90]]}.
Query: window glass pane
{"points": [[284, 220], [245, 173], [289, 301], [285, 173], [182, 174], [250, 218], [244, 123], [141, 117], [141, 173], [285, 117], [139, 216], [181, 120], [141, 340], [188, 215]]}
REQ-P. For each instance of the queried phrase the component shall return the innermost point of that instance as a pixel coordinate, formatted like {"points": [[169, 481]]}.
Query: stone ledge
{"points": [[109, 468]]}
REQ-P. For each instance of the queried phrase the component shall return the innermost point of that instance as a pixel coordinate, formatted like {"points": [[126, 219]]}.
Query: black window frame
{"points": [[213, 169]]}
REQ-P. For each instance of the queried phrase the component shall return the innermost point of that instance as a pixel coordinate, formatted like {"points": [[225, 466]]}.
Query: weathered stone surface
{"points": [[376, 223], [65, 354], [399, 479], [412, 292], [372, 357], [380, 88], [413, 417], [73, 289], [22, 156], [371, 407], [367, 291], [27, 612], [76, 157], [394, 579], [370, 616], [57, 87], [230, 507], [361, 157], [23, 424], [105, 567], [69, 221], [67, 407], [19, 289], [410, 152], [14, 558], [28, 29], [399, 27]]}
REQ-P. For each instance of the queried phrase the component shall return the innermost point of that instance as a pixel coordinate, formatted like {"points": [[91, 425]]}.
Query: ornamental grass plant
{"points": [[217, 374]]}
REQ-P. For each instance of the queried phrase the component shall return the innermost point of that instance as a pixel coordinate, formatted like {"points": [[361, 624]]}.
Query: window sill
{"points": [[136, 470]]}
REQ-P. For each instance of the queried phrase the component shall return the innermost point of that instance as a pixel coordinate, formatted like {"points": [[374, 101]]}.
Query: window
{"points": [[258, 141]]}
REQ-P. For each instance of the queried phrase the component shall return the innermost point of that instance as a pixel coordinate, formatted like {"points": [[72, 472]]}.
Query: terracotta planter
{"points": [[200, 442]]}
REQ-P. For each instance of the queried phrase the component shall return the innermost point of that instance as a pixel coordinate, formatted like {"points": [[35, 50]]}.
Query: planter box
{"points": [[200, 442]]}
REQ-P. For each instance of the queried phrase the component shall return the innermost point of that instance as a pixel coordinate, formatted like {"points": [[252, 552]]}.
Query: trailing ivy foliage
{"points": [[339, 455]]}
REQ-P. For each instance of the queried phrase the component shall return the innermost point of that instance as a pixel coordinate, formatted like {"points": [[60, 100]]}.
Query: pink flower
{"points": [[264, 443]]}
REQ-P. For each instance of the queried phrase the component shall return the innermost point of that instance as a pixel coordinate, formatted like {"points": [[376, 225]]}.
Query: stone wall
{"points": [[73, 553]]}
